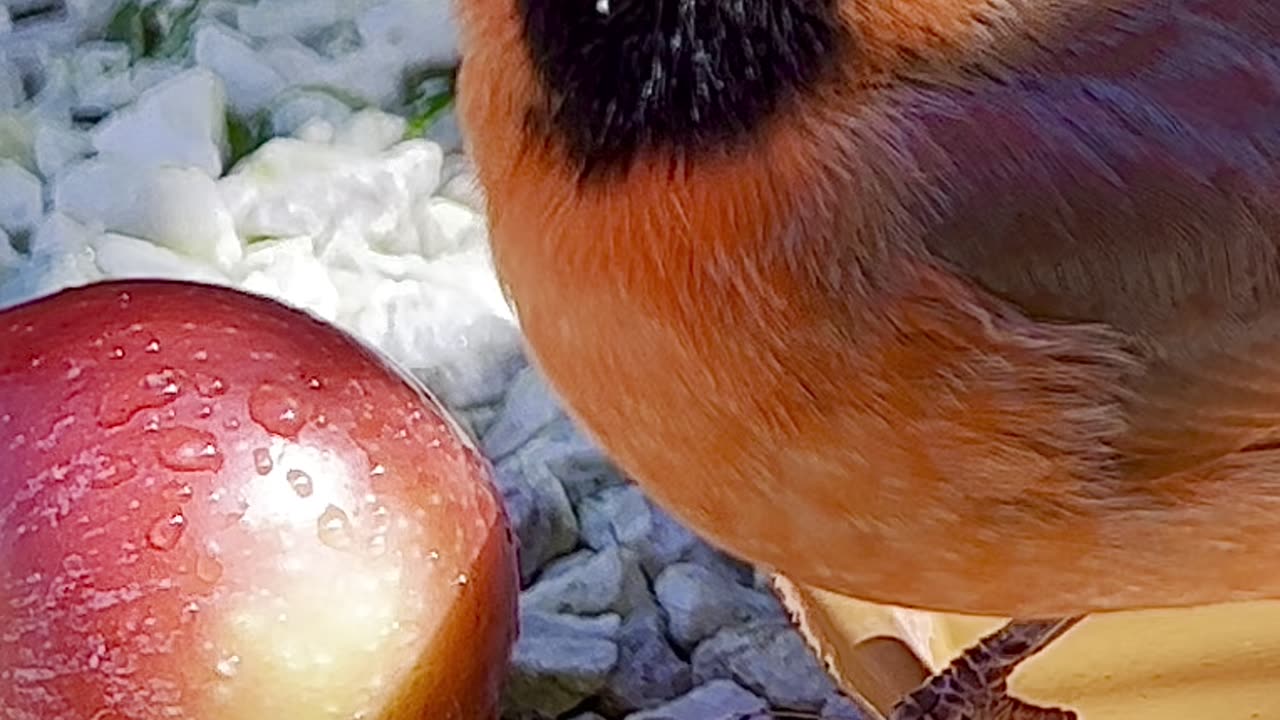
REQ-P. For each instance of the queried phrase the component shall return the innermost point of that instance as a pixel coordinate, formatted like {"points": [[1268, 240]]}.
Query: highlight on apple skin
{"points": [[214, 506]]}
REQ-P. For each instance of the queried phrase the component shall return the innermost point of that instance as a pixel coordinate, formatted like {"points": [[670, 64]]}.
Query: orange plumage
{"points": [[984, 318]]}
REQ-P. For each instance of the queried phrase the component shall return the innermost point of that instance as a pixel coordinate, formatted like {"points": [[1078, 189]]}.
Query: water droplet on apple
{"points": [[208, 568], [122, 403], [166, 531], [262, 460], [300, 482], [187, 449], [277, 410], [164, 382], [379, 518], [228, 666], [210, 385], [334, 528], [153, 346]]}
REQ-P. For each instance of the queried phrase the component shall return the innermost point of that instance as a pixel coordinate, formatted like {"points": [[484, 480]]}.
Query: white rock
{"points": [[296, 108], [295, 18], [461, 184], [124, 257], [250, 82], [446, 131], [446, 226], [291, 188], [57, 96], [9, 256], [288, 270], [150, 72], [178, 208], [439, 321], [345, 197], [418, 164], [87, 14], [371, 130], [17, 138], [61, 257], [179, 122], [21, 198], [396, 35], [11, 91], [57, 146], [423, 31], [316, 130], [101, 77]]}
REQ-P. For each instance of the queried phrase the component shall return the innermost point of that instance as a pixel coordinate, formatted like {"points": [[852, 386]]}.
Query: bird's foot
{"points": [[975, 686]]}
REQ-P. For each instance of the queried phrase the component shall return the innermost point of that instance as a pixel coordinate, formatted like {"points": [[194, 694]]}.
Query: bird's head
{"points": [[602, 83]]}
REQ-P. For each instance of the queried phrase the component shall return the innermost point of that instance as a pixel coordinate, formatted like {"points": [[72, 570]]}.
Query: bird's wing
{"points": [[1130, 175]]}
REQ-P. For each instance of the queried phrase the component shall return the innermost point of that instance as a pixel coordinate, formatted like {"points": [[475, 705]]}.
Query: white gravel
{"points": [[121, 159]]}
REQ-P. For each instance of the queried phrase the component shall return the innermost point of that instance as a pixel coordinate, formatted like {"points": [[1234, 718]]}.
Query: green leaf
{"points": [[245, 135], [429, 93], [126, 26], [430, 110], [175, 29]]}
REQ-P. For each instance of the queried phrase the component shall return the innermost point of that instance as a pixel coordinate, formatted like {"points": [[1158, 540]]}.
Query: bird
{"points": [[963, 305]]}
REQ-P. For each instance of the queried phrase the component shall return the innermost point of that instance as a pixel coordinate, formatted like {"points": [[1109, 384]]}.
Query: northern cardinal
{"points": [[964, 305]]}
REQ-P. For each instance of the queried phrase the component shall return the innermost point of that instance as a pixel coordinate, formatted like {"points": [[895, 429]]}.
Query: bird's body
{"points": [[984, 316]]}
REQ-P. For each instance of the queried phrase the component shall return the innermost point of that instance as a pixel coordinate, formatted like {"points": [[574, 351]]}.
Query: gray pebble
{"points": [[589, 583], [770, 659], [540, 513], [558, 661], [583, 468], [700, 602], [618, 515], [623, 515], [530, 405], [839, 707], [334, 41], [649, 672], [293, 108], [717, 700]]}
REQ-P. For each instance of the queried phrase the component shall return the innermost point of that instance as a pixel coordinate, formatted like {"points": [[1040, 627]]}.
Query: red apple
{"points": [[213, 506]]}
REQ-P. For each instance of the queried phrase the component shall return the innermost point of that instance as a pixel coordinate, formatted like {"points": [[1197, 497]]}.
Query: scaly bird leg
{"points": [[975, 685]]}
